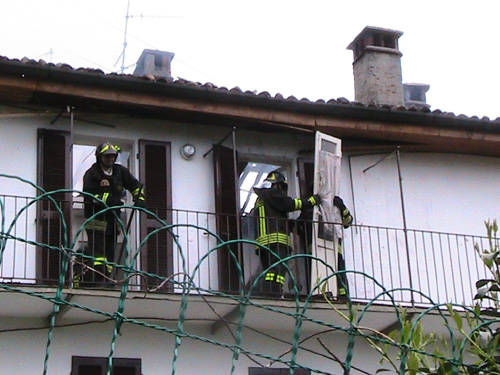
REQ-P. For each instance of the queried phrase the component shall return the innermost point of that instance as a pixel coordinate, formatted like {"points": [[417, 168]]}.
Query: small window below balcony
{"points": [[276, 371], [98, 366]]}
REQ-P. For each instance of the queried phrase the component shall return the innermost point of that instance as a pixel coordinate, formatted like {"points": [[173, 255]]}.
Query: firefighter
{"points": [[346, 219], [305, 231], [106, 181], [271, 208]]}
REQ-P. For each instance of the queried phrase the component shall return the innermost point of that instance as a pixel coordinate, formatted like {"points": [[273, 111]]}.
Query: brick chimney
{"points": [[377, 67], [414, 94], [154, 62]]}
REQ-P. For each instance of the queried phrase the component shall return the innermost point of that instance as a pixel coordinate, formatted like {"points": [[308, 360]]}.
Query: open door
{"points": [[225, 210], [326, 182]]}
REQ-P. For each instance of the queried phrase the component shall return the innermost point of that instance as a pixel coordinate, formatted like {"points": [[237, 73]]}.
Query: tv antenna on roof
{"points": [[127, 17]]}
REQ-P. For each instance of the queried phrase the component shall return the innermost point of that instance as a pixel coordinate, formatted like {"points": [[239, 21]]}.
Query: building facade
{"points": [[419, 183]]}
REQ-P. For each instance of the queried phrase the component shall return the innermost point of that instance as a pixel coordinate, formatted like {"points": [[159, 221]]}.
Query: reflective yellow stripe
{"points": [[345, 212], [262, 220], [271, 238], [100, 261], [136, 190], [105, 197], [269, 276], [312, 201], [104, 149], [298, 203], [280, 279]]}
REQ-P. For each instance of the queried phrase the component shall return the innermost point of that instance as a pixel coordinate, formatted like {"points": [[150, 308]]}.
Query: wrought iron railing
{"points": [[442, 266]]}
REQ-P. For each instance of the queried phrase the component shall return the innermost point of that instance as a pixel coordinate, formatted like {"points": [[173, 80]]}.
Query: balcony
{"points": [[417, 267]]}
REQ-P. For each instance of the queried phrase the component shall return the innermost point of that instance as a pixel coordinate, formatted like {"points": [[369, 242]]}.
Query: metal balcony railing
{"points": [[414, 264]]}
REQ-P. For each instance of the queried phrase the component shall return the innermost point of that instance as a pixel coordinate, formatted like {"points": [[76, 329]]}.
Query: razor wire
{"points": [[243, 299]]}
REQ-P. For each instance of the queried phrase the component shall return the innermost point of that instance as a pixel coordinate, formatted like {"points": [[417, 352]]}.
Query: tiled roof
{"points": [[237, 92]]}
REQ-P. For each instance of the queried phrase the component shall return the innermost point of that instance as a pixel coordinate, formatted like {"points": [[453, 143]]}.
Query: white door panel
{"points": [[327, 158]]}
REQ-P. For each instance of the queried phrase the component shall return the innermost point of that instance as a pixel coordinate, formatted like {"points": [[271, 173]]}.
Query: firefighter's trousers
{"points": [[274, 279], [101, 237]]}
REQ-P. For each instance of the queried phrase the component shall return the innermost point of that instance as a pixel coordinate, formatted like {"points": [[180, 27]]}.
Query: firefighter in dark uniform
{"points": [[106, 181], [346, 218], [273, 230]]}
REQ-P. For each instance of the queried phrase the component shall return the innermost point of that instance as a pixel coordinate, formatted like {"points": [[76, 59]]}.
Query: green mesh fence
{"points": [[403, 343]]}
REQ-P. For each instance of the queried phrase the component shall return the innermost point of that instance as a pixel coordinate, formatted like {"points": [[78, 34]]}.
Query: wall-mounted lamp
{"points": [[188, 151]]}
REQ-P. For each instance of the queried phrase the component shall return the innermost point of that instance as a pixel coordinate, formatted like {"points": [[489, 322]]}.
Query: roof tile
{"points": [[237, 91]]}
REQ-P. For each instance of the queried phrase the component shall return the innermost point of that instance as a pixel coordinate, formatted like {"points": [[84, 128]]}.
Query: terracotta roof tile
{"points": [[181, 82]]}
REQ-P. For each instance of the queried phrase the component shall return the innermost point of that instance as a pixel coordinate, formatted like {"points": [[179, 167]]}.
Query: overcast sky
{"points": [[292, 47]]}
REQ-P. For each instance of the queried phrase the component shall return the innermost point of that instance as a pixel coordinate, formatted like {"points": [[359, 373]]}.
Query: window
{"points": [[97, 366], [276, 371], [253, 175], [84, 157]]}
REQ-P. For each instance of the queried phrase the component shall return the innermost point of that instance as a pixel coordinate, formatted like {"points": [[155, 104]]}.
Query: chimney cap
{"points": [[422, 86], [372, 30], [414, 94], [154, 62]]}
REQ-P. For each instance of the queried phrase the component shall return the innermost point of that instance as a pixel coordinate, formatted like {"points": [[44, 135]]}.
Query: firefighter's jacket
{"points": [[112, 194], [272, 208]]}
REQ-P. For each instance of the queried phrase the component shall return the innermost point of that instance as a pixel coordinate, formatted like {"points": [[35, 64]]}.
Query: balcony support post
{"points": [[405, 228]]}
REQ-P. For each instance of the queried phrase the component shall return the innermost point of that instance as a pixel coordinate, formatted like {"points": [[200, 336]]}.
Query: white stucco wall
{"points": [[18, 141], [192, 181], [23, 351], [442, 192], [448, 193]]}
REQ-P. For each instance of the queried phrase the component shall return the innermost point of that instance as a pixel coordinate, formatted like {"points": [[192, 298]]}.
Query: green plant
{"points": [[409, 350]]}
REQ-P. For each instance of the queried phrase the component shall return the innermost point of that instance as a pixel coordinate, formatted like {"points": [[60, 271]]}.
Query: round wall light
{"points": [[188, 151]]}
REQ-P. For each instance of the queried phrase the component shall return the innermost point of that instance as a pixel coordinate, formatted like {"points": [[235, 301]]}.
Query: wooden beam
{"points": [[456, 138]]}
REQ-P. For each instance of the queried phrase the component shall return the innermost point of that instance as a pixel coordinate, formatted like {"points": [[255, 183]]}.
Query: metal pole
{"points": [[352, 193], [236, 183], [237, 195], [217, 144], [122, 69], [378, 162], [405, 228], [69, 109], [69, 197]]}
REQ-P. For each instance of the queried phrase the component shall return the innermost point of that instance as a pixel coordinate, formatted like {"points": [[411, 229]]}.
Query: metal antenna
{"points": [[122, 69], [127, 17]]}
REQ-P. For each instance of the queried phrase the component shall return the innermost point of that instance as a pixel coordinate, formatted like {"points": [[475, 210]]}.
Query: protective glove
{"points": [[339, 203], [346, 218], [346, 215], [318, 199]]}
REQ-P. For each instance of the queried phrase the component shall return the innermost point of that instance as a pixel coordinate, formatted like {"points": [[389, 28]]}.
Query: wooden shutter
{"points": [[155, 173], [225, 210], [54, 172]]}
